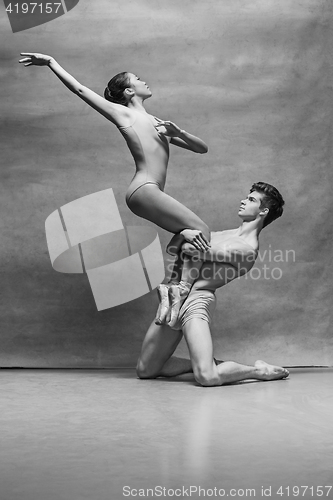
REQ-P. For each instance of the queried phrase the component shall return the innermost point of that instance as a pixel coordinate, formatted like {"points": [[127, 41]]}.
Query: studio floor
{"points": [[105, 435]]}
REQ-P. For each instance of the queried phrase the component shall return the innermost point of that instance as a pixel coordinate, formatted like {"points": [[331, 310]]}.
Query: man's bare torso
{"points": [[214, 275]]}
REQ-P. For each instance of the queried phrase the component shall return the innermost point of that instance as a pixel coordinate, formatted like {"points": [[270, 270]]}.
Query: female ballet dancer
{"points": [[148, 139]]}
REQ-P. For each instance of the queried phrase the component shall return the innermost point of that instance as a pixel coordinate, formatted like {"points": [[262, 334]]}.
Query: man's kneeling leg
{"points": [[158, 346]]}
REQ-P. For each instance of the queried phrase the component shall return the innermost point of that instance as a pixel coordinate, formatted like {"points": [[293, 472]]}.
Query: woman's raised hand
{"points": [[169, 128], [34, 59]]}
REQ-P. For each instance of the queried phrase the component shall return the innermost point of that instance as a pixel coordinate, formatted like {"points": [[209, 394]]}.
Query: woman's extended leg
{"points": [[150, 203]]}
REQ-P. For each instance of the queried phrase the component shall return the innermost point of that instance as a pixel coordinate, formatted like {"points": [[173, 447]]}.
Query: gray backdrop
{"points": [[253, 79]]}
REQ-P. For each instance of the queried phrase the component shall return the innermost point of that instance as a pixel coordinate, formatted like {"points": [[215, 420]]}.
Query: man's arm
{"points": [[234, 253], [193, 236]]}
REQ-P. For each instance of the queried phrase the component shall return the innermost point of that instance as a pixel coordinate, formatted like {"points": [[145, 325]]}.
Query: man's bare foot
{"points": [[163, 308], [270, 372]]}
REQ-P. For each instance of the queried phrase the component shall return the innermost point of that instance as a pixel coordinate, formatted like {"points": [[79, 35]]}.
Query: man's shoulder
{"points": [[235, 246], [229, 238], [224, 231], [220, 237]]}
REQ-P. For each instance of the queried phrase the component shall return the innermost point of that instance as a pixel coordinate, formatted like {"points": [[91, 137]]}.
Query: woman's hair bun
{"points": [[114, 92], [107, 94]]}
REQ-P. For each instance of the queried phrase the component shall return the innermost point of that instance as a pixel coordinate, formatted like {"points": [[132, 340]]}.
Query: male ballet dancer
{"points": [[231, 255]]}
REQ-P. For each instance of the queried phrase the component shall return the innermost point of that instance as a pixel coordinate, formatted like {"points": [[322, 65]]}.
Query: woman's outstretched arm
{"points": [[116, 113], [181, 138]]}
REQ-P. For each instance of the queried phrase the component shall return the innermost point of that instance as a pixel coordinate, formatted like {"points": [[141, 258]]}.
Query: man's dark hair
{"points": [[272, 200]]}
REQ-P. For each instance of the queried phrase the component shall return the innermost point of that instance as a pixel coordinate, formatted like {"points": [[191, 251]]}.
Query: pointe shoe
{"points": [[177, 295], [163, 308], [168, 316]]}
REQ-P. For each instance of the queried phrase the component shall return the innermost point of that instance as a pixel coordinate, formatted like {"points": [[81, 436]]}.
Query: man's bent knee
{"points": [[206, 378], [144, 371]]}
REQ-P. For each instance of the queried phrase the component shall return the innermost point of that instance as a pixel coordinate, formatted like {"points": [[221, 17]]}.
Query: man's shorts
{"points": [[199, 304]]}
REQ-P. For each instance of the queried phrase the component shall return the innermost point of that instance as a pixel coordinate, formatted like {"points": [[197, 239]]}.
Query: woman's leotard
{"points": [[150, 151], [145, 196]]}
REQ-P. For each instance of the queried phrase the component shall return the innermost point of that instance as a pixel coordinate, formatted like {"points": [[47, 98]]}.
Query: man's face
{"points": [[250, 207]]}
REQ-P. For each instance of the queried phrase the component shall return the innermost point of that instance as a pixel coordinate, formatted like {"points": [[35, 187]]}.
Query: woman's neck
{"points": [[137, 104]]}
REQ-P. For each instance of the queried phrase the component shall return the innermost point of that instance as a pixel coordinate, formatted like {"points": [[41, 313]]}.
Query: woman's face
{"points": [[140, 87]]}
